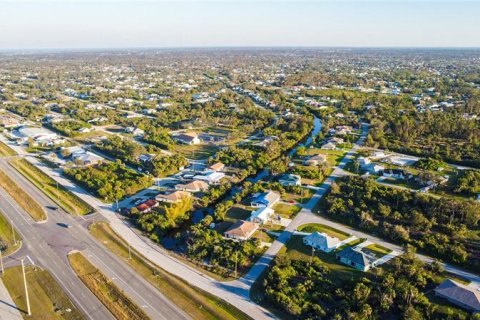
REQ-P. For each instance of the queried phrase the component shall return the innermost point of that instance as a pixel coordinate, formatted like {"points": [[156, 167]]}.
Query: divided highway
{"points": [[48, 244]]}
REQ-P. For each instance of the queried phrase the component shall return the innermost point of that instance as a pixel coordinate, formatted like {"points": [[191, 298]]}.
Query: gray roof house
{"points": [[321, 241], [355, 258], [459, 294]]}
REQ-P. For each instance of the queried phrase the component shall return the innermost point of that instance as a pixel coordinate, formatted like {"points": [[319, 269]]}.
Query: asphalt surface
{"points": [[48, 244]]}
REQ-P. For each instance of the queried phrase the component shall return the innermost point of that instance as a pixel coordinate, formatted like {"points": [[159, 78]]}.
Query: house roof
{"points": [[217, 166], [322, 239], [354, 255], [194, 185], [266, 198], [242, 229], [290, 177], [262, 213], [174, 196], [461, 293]]}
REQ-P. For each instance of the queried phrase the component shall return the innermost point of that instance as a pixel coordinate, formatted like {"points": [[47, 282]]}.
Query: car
{"points": [[52, 208], [64, 225]]}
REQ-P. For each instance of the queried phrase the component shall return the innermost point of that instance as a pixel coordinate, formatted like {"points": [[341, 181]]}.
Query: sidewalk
{"points": [[8, 309]]}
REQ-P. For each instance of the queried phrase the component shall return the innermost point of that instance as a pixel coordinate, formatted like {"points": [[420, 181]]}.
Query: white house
{"points": [[261, 215], [210, 177], [265, 199], [187, 138], [321, 241]]}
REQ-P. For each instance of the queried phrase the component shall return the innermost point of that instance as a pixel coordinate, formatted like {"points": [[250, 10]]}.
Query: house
{"points": [[321, 241], [265, 199], [241, 230], [394, 173], [362, 161], [289, 180], [187, 138], [336, 140], [217, 166], [355, 258], [402, 161], [147, 206], [86, 158], [135, 131], [210, 177], [316, 160], [373, 168], [329, 146], [261, 215], [173, 197], [460, 295], [146, 157], [194, 186]]}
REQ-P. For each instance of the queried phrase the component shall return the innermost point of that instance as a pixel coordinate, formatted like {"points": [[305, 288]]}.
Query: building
{"points": [[39, 136], [460, 295], [187, 138], [290, 180], [354, 258], [261, 215], [86, 159], [241, 230], [316, 160], [147, 206], [210, 177], [194, 186], [217, 166], [173, 197], [329, 146], [373, 168], [265, 199], [321, 241]]}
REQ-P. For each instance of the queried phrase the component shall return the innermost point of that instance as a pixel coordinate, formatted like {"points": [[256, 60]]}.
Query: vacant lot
{"points": [[64, 198], [8, 243], [22, 198], [6, 151], [105, 290], [237, 213], [196, 151], [332, 232], [47, 299], [286, 210], [196, 303]]}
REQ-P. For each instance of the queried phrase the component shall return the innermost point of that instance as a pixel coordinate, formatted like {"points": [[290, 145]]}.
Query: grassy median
{"points": [[22, 198], [47, 299], [6, 151], [105, 290], [64, 198], [9, 238], [194, 302]]}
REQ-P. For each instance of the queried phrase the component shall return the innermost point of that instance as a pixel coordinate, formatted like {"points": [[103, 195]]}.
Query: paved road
{"points": [[48, 244]]}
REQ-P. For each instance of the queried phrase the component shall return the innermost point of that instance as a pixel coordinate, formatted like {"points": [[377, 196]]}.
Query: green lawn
{"points": [[297, 250], [6, 151], [287, 211], [332, 232], [301, 198], [7, 237], [112, 297], [333, 156], [22, 198], [377, 250], [193, 301], [64, 198], [196, 151], [47, 299], [263, 236]]}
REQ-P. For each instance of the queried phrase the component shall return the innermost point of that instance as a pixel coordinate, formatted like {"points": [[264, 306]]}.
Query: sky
{"points": [[64, 24]]}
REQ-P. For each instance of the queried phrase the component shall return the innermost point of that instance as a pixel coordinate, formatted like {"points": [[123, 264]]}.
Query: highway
{"points": [[48, 244]]}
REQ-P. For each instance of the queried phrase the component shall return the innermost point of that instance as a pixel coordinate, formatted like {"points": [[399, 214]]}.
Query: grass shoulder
{"points": [[116, 301], [22, 198], [10, 240], [64, 198], [6, 151], [47, 299]]}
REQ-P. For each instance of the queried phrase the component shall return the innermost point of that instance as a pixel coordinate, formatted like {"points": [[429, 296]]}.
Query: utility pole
{"points": [[58, 198], [116, 200], [1, 262], [236, 262], [129, 252], [13, 233], [313, 252], [26, 289]]}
